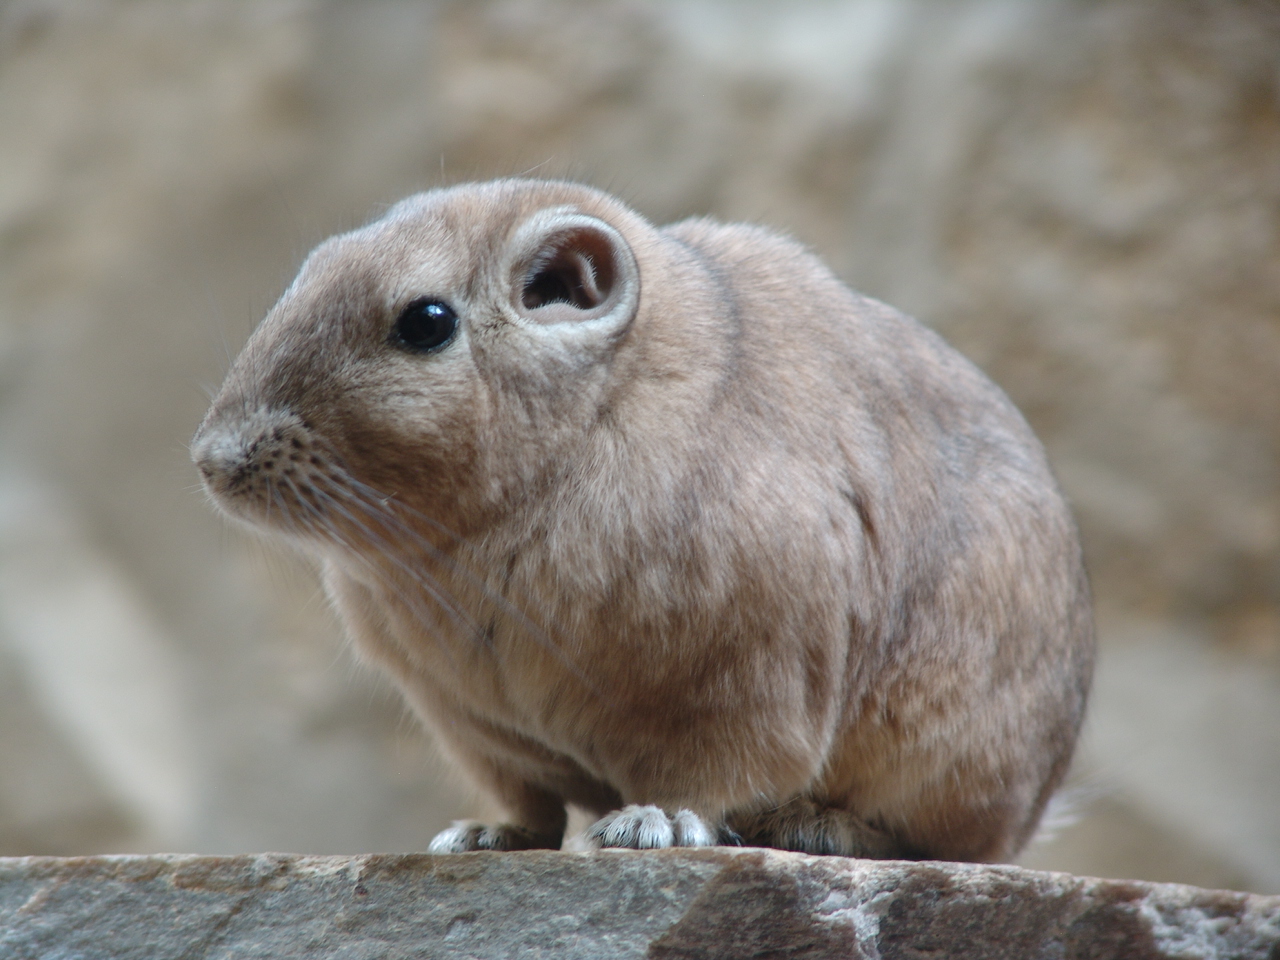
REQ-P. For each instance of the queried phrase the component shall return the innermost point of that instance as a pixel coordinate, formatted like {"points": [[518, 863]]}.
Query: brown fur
{"points": [[718, 536]]}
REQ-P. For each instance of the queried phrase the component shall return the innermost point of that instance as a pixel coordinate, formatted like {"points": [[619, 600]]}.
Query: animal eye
{"points": [[425, 325]]}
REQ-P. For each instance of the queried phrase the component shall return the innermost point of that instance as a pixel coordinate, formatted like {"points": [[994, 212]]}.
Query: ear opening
{"points": [[576, 267], [569, 267]]}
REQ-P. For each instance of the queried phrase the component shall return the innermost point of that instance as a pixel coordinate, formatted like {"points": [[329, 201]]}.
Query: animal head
{"points": [[447, 355]]}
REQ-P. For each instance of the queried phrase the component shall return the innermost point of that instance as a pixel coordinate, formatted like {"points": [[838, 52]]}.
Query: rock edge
{"points": [[664, 904]]}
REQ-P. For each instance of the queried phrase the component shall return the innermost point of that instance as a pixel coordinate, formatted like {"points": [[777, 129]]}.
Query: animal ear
{"points": [[570, 268]]}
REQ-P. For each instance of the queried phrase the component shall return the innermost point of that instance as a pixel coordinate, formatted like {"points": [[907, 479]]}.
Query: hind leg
{"points": [[802, 825]]}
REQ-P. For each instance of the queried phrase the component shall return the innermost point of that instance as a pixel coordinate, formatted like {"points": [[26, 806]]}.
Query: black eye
{"points": [[425, 325]]}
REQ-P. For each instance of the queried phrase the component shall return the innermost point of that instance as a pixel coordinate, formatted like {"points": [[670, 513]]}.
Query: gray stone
{"points": [[668, 904]]}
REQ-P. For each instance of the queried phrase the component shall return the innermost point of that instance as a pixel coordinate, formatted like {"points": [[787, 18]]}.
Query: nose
{"points": [[216, 453]]}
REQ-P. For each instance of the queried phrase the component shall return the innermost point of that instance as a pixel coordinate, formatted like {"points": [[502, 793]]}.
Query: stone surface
{"points": [[705, 903]]}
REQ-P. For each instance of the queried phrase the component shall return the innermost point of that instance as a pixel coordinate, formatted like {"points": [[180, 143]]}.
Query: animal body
{"points": [[667, 524]]}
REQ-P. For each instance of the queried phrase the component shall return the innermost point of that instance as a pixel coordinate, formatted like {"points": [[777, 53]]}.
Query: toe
{"points": [[638, 827], [462, 836], [634, 828], [467, 835], [691, 831], [651, 829]]}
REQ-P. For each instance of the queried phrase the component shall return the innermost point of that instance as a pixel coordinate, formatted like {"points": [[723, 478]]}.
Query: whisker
{"points": [[377, 507], [388, 548], [382, 499], [374, 501], [459, 616], [323, 526]]}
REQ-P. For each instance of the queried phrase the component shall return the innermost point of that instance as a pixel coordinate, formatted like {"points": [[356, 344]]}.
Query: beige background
{"points": [[1084, 197]]}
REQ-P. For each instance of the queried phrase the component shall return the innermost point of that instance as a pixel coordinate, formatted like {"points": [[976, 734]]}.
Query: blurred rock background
{"points": [[1083, 196]]}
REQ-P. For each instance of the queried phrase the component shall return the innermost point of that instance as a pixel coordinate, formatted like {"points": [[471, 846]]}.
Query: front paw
{"points": [[467, 835], [638, 827]]}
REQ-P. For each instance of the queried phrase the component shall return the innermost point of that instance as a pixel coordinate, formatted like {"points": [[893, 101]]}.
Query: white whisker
{"points": [[387, 551], [378, 507]]}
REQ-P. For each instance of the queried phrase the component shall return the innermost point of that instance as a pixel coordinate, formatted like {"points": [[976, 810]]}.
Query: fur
{"points": [[676, 521]]}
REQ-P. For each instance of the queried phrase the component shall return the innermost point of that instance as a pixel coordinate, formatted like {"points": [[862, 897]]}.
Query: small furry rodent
{"points": [[667, 524]]}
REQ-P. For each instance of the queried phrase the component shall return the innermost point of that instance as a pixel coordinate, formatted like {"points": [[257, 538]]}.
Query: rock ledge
{"points": [[673, 903]]}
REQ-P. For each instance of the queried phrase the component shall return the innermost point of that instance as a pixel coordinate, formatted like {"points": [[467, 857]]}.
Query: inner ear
{"points": [[574, 266]]}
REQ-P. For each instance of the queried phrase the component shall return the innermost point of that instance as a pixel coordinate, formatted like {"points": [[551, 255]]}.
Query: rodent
{"points": [[667, 524]]}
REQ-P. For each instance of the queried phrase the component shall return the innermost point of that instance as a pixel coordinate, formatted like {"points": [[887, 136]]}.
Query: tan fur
{"points": [[721, 537]]}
